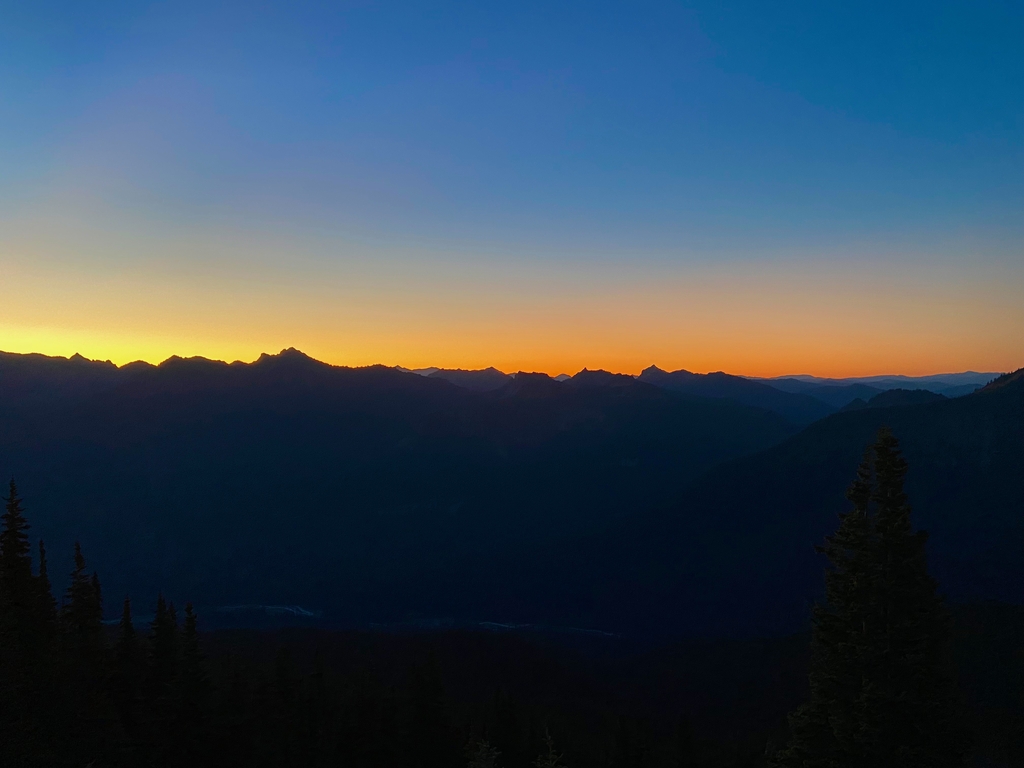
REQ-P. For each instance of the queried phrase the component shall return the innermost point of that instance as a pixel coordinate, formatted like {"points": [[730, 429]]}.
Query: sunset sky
{"points": [[761, 188]]}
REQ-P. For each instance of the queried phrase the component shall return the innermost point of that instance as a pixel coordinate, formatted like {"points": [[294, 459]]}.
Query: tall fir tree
{"points": [[47, 603], [881, 688], [18, 589], [163, 649], [160, 691], [128, 673], [549, 757], [193, 693], [23, 672], [480, 754], [127, 639], [91, 730], [15, 561], [82, 612]]}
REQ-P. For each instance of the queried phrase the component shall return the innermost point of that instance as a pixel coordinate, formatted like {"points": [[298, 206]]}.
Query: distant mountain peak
{"points": [[531, 385], [484, 380], [655, 375], [286, 354], [290, 357], [602, 378]]}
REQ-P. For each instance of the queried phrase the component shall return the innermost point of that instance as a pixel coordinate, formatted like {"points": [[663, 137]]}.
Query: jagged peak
{"points": [[601, 377], [196, 359], [290, 356], [653, 371]]}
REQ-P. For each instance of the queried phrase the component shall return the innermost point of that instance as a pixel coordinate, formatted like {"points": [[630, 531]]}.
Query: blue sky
{"points": [[354, 142]]}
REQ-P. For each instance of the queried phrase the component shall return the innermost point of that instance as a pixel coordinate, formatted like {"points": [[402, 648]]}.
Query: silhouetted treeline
{"points": [[883, 683], [75, 692]]}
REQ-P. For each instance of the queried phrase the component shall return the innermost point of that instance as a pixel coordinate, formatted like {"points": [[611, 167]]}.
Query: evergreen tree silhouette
{"points": [[24, 672], [549, 758], [163, 649], [193, 692], [15, 561], [161, 689], [128, 673], [92, 729], [82, 613], [881, 689], [480, 754], [127, 639], [47, 603], [20, 614]]}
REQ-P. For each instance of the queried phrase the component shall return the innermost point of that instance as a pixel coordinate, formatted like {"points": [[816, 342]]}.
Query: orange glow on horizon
{"points": [[746, 360], [826, 318]]}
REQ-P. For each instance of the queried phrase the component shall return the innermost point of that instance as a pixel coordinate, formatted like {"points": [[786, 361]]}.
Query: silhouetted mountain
{"points": [[35, 378], [798, 408], [359, 491], [420, 371], [601, 378], [371, 494], [737, 555], [835, 395], [833, 391], [894, 397], [485, 380], [1007, 379]]}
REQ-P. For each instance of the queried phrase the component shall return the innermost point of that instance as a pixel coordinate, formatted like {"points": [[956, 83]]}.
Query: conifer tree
{"points": [[549, 758], [82, 613], [15, 561], [128, 672], [163, 643], [161, 711], [127, 639], [47, 603], [91, 731], [23, 657], [18, 594], [881, 691], [193, 691], [480, 754]]}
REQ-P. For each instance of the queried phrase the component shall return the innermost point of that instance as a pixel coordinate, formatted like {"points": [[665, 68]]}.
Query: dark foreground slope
{"points": [[737, 555], [371, 493]]}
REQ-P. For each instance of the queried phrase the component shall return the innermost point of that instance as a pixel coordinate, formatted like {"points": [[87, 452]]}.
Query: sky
{"points": [[762, 188]]}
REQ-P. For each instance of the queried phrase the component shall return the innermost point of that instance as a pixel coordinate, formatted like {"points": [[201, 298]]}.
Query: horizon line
{"points": [[419, 369]]}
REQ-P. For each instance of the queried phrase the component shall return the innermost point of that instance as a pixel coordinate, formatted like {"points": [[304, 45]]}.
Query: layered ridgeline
{"points": [[736, 555], [352, 491], [376, 495]]}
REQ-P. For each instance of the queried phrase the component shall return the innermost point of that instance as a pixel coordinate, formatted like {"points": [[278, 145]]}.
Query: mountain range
{"points": [[814, 397], [665, 503]]}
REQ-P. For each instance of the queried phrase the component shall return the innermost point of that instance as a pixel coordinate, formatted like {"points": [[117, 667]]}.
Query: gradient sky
{"points": [[764, 188]]}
